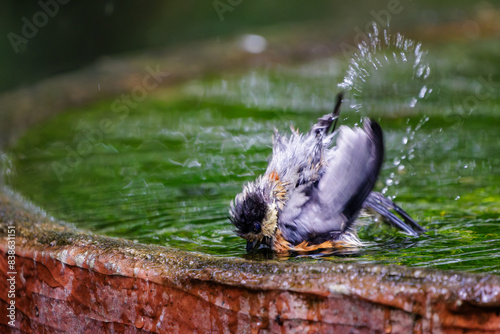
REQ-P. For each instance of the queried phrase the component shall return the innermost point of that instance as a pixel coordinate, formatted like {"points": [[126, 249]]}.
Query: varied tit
{"points": [[311, 195]]}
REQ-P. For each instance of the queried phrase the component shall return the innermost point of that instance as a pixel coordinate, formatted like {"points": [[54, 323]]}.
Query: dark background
{"points": [[83, 31]]}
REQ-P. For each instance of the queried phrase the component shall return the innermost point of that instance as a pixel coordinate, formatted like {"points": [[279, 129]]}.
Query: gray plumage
{"points": [[326, 187], [312, 192]]}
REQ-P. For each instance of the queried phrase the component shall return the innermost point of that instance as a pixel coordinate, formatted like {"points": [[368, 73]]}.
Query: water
{"points": [[389, 68], [165, 173]]}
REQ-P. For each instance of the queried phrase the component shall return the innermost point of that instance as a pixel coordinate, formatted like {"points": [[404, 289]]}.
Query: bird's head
{"points": [[254, 214]]}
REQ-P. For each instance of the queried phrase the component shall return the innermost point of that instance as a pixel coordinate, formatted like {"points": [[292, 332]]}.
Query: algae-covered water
{"points": [[164, 168]]}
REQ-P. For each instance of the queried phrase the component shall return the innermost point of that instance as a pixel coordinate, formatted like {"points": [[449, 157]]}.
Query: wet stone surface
{"points": [[73, 281]]}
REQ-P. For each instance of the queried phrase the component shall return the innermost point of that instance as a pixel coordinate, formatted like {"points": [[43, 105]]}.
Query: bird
{"points": [[312, 193]]}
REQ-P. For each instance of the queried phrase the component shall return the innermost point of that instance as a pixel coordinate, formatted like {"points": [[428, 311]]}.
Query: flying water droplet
{"points": [[413, 102], [422, 92], [389, 67]]}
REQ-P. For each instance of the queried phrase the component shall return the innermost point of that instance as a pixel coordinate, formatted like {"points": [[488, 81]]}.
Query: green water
{"points": [[165, 172]]}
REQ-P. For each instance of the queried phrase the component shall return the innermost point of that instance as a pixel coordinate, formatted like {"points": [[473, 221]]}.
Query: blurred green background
{"points": [[81, 32]]}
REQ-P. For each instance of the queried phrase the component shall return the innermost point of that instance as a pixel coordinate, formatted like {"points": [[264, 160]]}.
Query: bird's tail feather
{"points": [[325, 122], [382, 205]]}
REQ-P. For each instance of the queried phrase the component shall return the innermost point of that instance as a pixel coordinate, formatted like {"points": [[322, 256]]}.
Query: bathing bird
{"points": [[311, 194]]}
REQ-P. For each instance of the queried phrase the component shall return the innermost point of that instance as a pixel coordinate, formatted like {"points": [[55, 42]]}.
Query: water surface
{"points": [[166, 171]]}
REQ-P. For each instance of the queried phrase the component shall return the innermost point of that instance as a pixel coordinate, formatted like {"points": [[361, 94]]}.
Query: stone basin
{"points": [[69, 280]]}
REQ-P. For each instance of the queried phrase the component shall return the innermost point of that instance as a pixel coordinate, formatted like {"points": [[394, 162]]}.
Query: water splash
{"points": [[6, 168], [307, 88], [392, 68], [387, 66]]}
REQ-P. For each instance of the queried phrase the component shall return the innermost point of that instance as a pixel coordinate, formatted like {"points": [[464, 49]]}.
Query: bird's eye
{"points": [[256, 227]]}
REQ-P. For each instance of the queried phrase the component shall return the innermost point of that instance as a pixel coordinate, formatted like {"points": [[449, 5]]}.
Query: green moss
{"points": [[165, 173]]}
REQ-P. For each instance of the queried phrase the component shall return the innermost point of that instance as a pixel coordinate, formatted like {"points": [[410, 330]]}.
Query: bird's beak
{"points": [[251, 245]]}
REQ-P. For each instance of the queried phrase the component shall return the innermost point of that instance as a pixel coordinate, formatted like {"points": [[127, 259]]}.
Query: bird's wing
{"points": [[320, 211]]}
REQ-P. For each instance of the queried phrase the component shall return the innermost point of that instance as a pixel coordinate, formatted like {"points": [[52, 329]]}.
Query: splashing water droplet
{"points": [[389, 67], [422, 92], [413, 103]]}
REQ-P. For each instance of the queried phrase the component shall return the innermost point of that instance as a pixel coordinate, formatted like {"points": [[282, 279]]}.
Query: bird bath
{"points": [[157, 170]]}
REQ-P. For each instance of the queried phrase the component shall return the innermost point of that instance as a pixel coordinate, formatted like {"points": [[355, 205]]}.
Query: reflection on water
{"points": [[166, 173]]}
